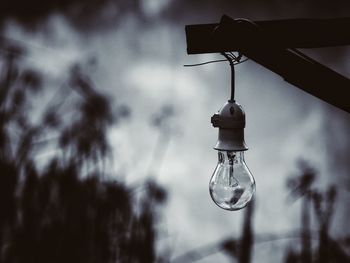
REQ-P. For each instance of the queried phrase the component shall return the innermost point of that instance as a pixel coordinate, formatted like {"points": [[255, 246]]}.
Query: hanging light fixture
{"points": [[232, 185]]}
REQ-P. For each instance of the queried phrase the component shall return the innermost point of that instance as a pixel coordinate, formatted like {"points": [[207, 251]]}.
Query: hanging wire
{"points": [[233, 60], [214, 61], [204, 63]]}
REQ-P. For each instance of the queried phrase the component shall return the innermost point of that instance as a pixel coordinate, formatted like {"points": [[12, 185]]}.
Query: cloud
{"points": [[83, 14]]}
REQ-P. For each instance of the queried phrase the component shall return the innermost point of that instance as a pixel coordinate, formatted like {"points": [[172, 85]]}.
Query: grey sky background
{"points": [[140, 64]]}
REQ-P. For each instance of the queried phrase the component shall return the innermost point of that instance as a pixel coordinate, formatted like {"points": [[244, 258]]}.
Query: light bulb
{"points": [[232, 185]]}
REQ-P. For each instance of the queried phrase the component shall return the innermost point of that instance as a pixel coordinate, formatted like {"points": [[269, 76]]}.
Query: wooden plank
{"points": [[272, 52], [290, 33]]}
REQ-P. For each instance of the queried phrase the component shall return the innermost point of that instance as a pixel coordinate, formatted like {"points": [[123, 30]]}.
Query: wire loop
{"points": [[233, 60]]}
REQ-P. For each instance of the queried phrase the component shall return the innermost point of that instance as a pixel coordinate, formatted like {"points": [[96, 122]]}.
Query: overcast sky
{"points": [[140, 64]]}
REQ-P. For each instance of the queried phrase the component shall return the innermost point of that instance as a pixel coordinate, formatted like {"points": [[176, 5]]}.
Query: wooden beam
{"points": [[270, 51], [290, 33]]}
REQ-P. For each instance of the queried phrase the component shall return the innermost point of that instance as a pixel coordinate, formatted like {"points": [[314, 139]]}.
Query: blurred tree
{"points": [[328, 250], [301, 186], [241, 249], [65, 209]]}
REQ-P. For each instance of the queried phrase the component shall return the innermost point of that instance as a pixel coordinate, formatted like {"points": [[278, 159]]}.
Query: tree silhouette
{"points": [[328, 249], [301, 186], [65, 208]]}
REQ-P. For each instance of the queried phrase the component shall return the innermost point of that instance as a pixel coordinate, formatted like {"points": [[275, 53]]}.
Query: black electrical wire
{"points": [[233, 60], [214, 61], [204, 63], [232, 65]]}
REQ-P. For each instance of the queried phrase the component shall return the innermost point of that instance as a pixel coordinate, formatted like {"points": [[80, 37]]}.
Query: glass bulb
{"points": [[232, 185]]}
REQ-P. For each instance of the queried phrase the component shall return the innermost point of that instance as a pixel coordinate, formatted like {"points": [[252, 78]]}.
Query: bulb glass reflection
{"points": [[232, 185]]}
